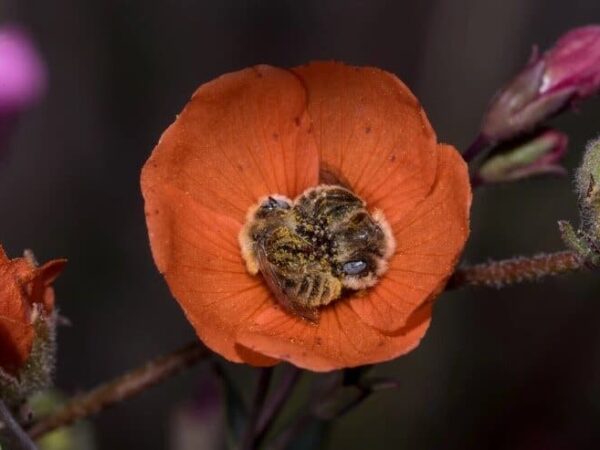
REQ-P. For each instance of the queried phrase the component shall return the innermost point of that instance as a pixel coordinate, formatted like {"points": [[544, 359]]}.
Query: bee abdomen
{"points": [[314, 290]]}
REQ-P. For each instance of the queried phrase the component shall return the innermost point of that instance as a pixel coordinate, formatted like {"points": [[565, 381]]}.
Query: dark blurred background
{"points": [[511, 369]]}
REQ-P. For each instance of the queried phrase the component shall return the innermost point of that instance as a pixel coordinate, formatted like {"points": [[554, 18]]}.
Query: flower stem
{"points": [[260, 395], [121, 388], [295, 429], [274, 406], [479, 144], [506, 272], [13, 429]]}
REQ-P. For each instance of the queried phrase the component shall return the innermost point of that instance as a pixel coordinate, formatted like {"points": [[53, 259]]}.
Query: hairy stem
{"points": [[260, 395], [502, 273], [121, 388], [17, 435]]}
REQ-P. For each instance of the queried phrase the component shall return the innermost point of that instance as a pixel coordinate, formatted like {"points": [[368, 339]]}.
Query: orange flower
{"points": [[25, 294], [264, 131]]}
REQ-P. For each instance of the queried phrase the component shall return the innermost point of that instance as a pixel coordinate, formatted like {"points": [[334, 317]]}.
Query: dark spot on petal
{"points": [[392, 157], [367, 129], [297, 121], [276, 136]]}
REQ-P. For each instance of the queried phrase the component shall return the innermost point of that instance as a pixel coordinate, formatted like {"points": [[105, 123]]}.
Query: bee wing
{"points": [[277, 284]]}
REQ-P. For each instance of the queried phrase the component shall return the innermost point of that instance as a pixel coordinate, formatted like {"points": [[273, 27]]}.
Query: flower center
{"points": [[313, 249]]}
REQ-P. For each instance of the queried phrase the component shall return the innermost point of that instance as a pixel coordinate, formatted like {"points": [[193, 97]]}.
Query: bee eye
{"points": [[354, 267], [272, 203]]}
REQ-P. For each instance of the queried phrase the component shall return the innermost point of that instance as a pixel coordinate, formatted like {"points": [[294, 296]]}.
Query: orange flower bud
{"points": [[26, 323]]}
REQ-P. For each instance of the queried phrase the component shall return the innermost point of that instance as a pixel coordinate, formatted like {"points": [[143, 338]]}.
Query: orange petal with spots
{"points": [[242, 136], [372, 134], [429, 240], [197, 252], [340, 339]]}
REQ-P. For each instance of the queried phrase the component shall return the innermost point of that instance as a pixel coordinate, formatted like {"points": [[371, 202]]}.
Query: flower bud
{"points": [[587, 183], [27, 325], [568, 72], [538, 155], [586, 240], [574, 62], [22, 76]]}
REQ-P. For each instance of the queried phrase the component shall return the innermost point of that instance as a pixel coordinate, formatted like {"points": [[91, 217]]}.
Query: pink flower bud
{"points": [[574, 62], [539, 155], [568, 72]]}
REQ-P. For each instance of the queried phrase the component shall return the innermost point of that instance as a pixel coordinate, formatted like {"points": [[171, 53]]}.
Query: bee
{"points": [[315, 248]]}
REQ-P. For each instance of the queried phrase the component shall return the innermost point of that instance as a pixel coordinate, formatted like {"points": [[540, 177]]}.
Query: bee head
{"points": [[274, 204], [362, 271]]}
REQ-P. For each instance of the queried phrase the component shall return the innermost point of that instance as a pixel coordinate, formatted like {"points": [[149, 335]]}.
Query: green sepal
{"points": [[36, 374]]}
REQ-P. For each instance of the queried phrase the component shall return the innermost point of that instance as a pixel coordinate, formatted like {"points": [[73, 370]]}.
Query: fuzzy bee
{"points": [[312, 250]]}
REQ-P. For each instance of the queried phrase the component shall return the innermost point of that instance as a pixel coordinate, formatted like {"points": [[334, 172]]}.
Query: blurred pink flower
{"points": [[199, 423], [22, 76], [22, 72], [551, 82]]}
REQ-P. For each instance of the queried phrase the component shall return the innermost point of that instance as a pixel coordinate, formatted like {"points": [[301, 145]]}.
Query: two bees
{"points": [[312, 250]]}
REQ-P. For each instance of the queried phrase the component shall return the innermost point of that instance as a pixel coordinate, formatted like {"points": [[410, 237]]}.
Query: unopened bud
{"points": [[27, 326], [588, 187], [539, 155], [586, 240], [568, 72]]}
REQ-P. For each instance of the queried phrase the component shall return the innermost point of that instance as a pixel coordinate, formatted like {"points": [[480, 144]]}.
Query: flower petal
{"points": [[340, 339], [372, 133], [196, 250], [241, 137], [16, 330], [429, 241]]}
